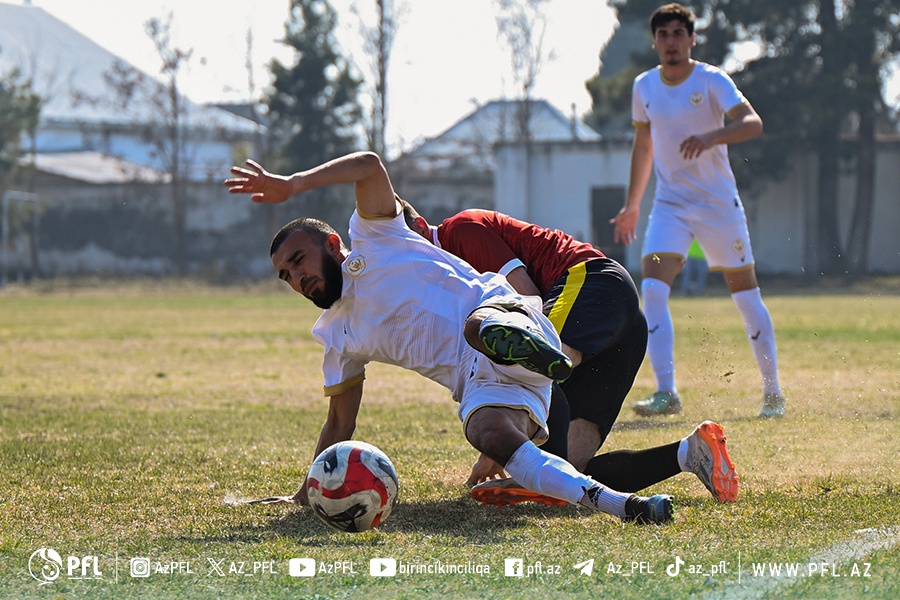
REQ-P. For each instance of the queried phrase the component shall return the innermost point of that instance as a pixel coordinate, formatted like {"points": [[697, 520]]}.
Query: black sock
{"points": [[633, 470]]}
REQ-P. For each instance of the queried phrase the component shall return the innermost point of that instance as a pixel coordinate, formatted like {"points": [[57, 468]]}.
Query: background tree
{"points": [[817, 78], [161, 119], [171, 142], [522, 25], [313, 110], [611, 96], [20, 110], [378, 42], [626, 54], [875, 26]]}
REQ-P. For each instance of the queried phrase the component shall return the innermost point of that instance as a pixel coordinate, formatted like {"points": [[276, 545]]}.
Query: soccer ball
{"points": [[352, 486]]}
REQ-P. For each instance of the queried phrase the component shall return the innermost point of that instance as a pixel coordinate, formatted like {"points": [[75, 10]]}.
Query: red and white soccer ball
{"points": [[352, 486]]}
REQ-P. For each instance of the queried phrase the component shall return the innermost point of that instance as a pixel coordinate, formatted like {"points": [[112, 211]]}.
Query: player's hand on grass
{"points": [[300, 496], [262, 186], [484, 469]]}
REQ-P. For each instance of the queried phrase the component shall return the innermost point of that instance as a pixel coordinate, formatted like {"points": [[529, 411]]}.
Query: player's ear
{"points": [[334, 244]]}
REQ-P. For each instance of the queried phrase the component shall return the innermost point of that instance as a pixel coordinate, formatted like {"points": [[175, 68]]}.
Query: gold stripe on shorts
{"points": [[563, 305]]}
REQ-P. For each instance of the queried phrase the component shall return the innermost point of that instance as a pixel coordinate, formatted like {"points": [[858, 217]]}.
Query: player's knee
{"points": [[491, 442], [490, 432], [654, 291], [496, 446]]}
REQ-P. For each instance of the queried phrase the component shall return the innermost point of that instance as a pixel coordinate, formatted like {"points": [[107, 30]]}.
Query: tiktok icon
{"points": [[673, 569]]}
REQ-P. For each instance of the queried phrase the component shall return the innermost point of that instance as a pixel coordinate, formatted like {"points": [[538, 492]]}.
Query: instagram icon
{"points": [[139, 566]]}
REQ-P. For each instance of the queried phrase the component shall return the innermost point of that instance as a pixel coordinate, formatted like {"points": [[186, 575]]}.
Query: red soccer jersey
{"points": [[488, 240]]}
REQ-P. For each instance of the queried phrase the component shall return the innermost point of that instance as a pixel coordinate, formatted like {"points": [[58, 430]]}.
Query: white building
{"points": [[102, 168], [579, 186], [80, 110], [455, 169]]}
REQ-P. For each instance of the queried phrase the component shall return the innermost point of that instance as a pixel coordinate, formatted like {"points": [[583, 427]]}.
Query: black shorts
{"points": [[595, 307]]}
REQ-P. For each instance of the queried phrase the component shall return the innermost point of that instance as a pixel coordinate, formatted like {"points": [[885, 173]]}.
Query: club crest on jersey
{"points": [[696, 98], [356, 265]]}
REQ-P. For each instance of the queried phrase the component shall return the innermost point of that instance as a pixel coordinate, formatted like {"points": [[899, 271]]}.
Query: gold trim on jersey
{"points": [[663, 254], [670, 82], [340, 388], [397, 211], [733, 269]]}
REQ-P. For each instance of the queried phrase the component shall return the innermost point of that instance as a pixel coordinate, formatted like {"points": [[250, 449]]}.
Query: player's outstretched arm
{"points": [[339, 426], [263, 187], [374, 192]]}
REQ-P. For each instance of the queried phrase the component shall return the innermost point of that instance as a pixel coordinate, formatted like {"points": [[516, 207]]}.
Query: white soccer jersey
{"points": [[675, 112], [403, 302]]}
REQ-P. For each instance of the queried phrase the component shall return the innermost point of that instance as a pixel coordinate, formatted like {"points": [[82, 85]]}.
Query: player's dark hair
{"points": [[316, 229], [672, 12]]}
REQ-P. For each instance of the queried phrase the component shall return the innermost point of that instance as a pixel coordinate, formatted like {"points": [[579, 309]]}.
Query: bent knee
{"points": [[498, 432]]}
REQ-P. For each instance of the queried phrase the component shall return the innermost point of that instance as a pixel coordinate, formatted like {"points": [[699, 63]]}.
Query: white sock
{"points": [[683, 454], [550, 475], [761, 333], [661, 341]]}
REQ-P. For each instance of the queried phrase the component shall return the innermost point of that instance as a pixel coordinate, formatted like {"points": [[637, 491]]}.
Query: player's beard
{"points": [[676, 58], [333, 278]]}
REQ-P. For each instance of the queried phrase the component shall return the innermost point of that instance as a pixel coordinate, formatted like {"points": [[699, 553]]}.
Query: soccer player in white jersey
{"points": [[679, 111], [397, 299]]}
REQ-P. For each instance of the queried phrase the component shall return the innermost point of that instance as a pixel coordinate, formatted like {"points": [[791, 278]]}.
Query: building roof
{"points": [[68, 70], [471, 139], [96, 168]]}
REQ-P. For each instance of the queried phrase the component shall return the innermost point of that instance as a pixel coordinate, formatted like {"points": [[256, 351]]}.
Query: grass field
{"points": [[128, 413]]}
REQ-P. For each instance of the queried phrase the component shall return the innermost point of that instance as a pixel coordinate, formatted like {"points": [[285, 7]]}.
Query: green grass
{"points": [[128, 413]]}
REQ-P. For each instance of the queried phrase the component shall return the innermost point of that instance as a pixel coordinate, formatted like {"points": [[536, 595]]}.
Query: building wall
{"points": [[884, 249], [206, 156], [553, 189], [127, 230], [780, 234], [437, 195], [557, 190]]}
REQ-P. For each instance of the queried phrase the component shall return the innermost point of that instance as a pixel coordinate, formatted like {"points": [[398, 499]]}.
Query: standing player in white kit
{"points": [[679, 111]]}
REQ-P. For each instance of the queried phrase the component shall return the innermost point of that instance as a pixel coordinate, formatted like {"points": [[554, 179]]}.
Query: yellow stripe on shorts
{"points": [[563, 305]]}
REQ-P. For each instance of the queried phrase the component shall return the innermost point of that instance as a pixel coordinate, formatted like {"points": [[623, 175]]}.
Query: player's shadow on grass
{"points": [[456, 518]]}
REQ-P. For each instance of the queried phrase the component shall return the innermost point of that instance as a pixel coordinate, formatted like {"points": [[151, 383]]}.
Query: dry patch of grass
{"points": [[127, 415]]}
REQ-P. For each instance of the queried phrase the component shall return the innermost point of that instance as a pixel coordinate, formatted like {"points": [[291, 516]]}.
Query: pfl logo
{"points": [[45, 565]]}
